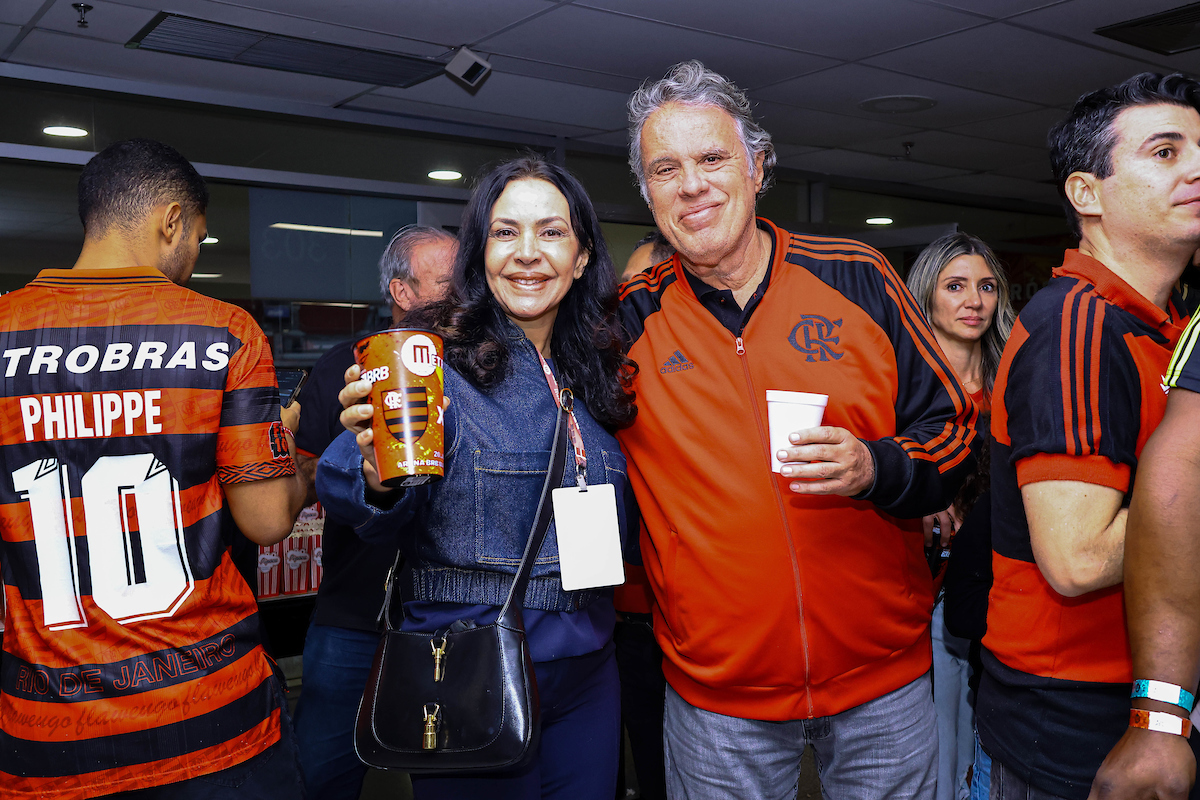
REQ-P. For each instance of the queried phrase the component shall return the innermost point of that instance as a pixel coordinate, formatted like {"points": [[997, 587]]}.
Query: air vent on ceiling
{"points": [[1168, 33], [187, 36]]}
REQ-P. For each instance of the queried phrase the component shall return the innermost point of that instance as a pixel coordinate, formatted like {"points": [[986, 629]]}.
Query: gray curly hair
{"points": [[693, 84]]}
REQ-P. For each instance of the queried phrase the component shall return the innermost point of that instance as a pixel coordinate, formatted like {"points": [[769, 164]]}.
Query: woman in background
{"points": [[963, 291]]}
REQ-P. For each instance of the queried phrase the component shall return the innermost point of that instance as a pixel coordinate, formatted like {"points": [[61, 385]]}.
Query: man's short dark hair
{"points": [[125, 181], [1084, 141]]}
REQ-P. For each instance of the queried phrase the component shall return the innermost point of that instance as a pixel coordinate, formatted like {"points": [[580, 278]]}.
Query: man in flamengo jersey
{"points": [[141, 423], [1079, 392]]}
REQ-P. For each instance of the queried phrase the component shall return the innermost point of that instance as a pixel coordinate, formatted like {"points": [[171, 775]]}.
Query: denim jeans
{"points": [[952, 702], [884, 748], [273, 774], [981, 775], [337, 663]]}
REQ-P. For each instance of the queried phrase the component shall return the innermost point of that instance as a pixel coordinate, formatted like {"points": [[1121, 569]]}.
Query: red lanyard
{"points": [[572, 427]]}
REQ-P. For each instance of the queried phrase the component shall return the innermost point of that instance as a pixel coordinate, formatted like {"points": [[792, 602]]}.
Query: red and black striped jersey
{"points": [[131, 648], [1078, 392]]}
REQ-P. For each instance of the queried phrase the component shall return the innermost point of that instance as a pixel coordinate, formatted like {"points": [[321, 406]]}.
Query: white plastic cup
{"points": [[788, 412]]}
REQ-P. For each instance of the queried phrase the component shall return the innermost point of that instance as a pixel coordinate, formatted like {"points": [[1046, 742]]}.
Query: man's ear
{"points": [[1085, 192], [170, 222], [759, 174], [402, 295]]}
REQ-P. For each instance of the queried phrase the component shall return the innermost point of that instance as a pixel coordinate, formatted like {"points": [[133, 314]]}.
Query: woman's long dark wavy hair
{"points": [[586, 344]]}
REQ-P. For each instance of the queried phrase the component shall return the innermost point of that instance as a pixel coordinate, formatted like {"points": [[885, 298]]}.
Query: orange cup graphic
{"points": [[405, 370]]}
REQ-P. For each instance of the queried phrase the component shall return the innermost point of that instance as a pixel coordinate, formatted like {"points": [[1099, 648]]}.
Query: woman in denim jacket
{"points": [[532, 276]]}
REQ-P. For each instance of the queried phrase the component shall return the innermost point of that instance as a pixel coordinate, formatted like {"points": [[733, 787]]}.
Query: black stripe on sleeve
{"points": [[250, 406]]}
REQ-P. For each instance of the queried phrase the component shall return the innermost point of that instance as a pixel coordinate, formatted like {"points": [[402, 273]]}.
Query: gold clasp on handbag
{"points": [[439, 653], [429, 742]]}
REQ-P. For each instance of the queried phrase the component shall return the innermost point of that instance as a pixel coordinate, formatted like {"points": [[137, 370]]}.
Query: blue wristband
{"points": [[1164, 692]]}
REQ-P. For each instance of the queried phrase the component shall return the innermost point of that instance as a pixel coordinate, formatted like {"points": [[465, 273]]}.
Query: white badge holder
{"points": [[589, 538]]}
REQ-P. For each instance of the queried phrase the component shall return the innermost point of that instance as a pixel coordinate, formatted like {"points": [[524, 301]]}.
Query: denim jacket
{"points": [[464, 535]]}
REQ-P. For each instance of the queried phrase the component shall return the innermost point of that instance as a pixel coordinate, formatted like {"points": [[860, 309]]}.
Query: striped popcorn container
{"points": [[314, 560], [295, 564], [270, 560]]}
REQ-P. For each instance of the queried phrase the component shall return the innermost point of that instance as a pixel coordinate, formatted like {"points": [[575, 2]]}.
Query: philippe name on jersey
{"points": [[87, 415]]}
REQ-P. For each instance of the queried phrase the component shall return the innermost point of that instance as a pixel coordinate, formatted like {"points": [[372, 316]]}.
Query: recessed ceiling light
{"points": [[64, 130], [897, 104], [879, 221], [292, 226], [206, 275], [209, 240], [445, 174]]}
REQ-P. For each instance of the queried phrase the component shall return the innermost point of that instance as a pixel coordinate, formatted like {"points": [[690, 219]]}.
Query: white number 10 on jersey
{"points": [[136, 551]]}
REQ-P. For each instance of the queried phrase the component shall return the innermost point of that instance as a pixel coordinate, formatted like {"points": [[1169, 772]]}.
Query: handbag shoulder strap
{"points": [[510, 614]]}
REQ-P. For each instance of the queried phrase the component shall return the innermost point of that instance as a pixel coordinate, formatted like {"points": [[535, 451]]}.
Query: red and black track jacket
{"points": [[1078, 393], [771, 605]]}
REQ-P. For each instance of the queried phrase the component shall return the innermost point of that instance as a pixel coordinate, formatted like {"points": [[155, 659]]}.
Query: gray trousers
{"points": [[884, 748]]}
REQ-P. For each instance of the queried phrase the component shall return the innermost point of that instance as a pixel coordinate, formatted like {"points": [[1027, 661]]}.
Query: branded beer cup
{"points": [[405, 370]]}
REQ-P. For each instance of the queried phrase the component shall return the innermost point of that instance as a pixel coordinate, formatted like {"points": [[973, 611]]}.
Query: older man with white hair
{"points": [[793, 606]]}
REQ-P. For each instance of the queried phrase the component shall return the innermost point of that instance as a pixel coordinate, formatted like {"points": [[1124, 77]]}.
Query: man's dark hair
{"points": [[126, 180], [1084, 141]]}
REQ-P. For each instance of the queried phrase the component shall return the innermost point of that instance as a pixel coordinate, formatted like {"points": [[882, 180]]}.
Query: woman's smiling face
{"points": [[532, 255]]}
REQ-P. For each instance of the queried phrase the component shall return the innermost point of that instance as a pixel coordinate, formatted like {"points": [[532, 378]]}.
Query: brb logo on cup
{"points": [[419, 355]]}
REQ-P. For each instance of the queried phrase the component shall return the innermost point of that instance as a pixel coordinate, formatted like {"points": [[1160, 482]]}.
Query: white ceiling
{"points": [[1001, 71]]}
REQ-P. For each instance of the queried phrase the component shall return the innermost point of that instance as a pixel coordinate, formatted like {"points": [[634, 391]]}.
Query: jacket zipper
{"points": [[787, 529]]}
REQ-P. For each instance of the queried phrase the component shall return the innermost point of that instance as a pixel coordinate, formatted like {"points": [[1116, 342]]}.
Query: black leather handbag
{"points": [[462, 700]]}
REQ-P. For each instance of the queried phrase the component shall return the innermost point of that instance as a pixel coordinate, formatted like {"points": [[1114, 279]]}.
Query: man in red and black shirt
{"points": [[1077, 395], [141, 424]]}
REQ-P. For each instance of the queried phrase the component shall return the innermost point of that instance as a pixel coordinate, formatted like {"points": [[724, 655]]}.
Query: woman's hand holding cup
{"points": [[356, 418]]}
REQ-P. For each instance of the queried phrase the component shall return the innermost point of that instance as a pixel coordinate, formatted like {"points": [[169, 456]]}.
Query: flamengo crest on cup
{"points": [[419, 355], [406, 412]]}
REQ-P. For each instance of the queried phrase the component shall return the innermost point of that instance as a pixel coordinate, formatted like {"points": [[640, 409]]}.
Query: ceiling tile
{"points": [[110, 22], [557, 72], [791, 125], [836, 30], [1029, 129], [1078, 19], [866, 165], [620, 45], [7, 34], [786, 150], [955, 150], [995, 186], [521, 97], [330, 27], [18, 12], [58, 51], [1017, 63], [412, 108], [841, 89], [998, 9], [1031, 171]]}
